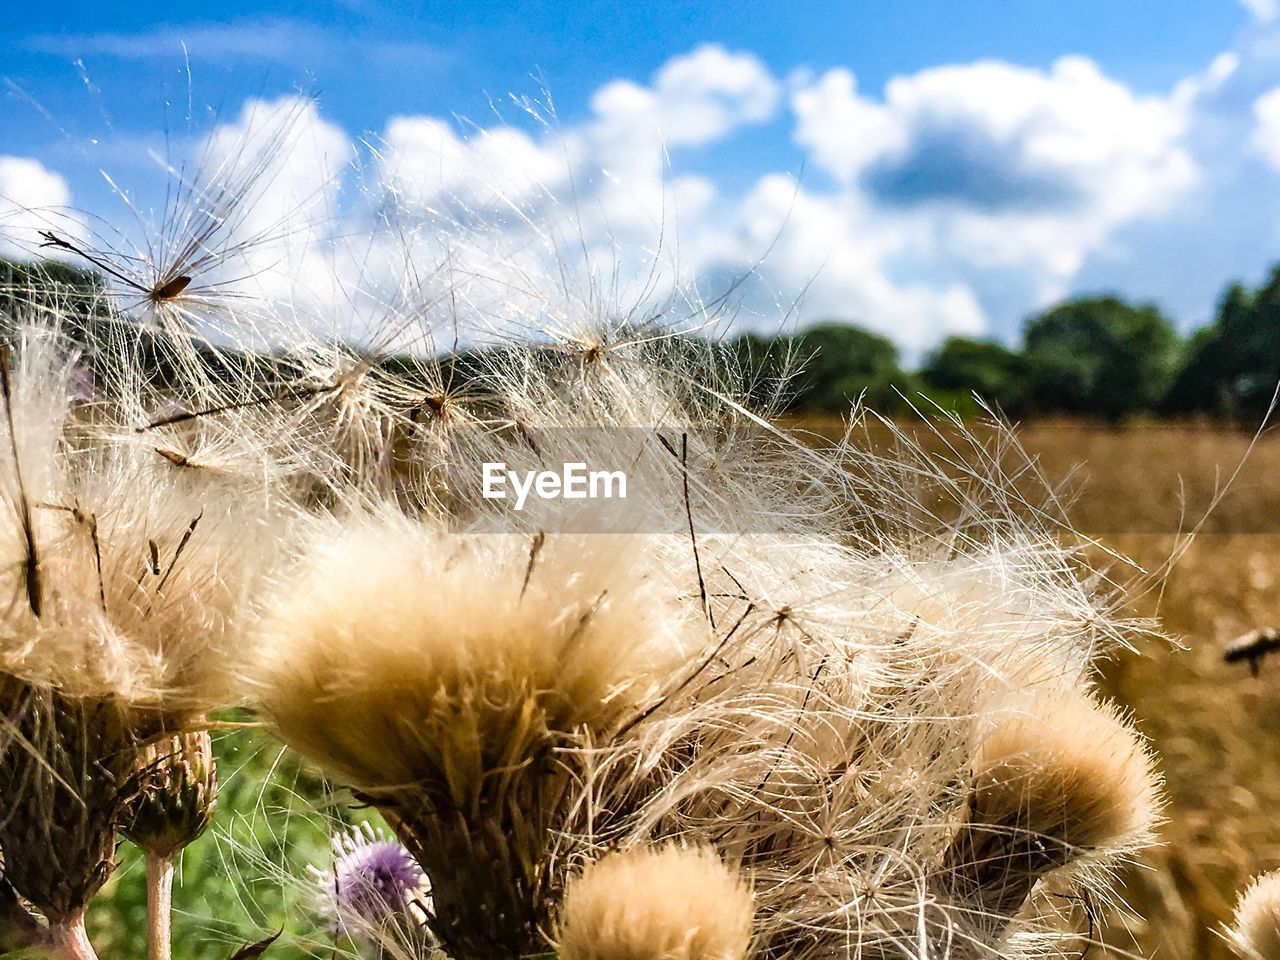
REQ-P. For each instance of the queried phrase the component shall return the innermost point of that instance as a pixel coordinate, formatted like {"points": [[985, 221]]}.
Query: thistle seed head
{"points": [[1060, 781], [1255, 930], [63, 773], [656, 903]]}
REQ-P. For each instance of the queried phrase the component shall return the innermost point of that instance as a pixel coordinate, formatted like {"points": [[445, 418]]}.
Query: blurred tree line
{"points": [[1098, 357]]}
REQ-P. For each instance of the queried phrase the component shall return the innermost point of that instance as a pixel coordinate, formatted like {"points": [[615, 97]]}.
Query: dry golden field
{"points": [[1139, 490], [1216, 728]]}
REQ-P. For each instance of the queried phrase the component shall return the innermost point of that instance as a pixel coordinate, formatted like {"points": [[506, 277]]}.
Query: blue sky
{"points": [[922, 168]]}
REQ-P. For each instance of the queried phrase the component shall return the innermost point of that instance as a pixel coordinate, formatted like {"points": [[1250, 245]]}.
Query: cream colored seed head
{"points": [[657, 903], [399, 653], [1255, 931], [1069, 769]]}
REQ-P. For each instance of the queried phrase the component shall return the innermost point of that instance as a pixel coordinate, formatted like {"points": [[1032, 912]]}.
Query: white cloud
{"points": [[32, 198], [956, 201], [284, 164], [694, 99], [993, 136], [600, 195], [425, 163], [836, 251], [1263, 10], [997, 166], [1266, 134], [284, 159]]}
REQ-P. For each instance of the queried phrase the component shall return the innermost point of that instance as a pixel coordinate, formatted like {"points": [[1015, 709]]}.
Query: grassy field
{"points": [[1216, 728]]}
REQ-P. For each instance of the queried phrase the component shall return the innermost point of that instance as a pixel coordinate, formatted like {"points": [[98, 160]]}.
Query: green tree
{"points": [[962, 366], [1100, 356], [1232, 365], [842, 362]]}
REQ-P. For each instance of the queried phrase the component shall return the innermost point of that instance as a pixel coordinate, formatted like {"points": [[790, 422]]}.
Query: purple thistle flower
{"points": [[373, 881], [83, 389]]}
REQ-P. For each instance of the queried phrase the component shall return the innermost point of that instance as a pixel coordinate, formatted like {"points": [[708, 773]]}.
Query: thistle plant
{"points": [[374, 890], [171, 801], [682, 904], [126, 608], [62, 787], [826, 701], [1050, 786], [442, 677]]}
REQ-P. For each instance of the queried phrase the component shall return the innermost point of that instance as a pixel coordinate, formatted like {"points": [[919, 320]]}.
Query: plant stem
{"points": [[71, 940], [159, 906]]}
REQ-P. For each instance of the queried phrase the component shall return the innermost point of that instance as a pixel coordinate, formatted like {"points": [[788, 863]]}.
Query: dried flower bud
{"points": [[61, 782], [174, 794]]}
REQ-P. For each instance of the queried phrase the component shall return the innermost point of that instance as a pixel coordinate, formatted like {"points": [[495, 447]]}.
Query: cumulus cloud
{"points": [[426, 162], [956, 200], [284, 165], [32, 198], [281, 158], [999, 165], [602, 193], [956, 182], [693, 100], [840, 255]]}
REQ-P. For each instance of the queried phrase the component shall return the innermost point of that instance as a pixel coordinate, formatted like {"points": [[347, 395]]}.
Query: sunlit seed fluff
{"points": [[125, 576], [1069, 768], [1058, 780], [657, 903], [397, 650], [1255, 929], [444, 675]]}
